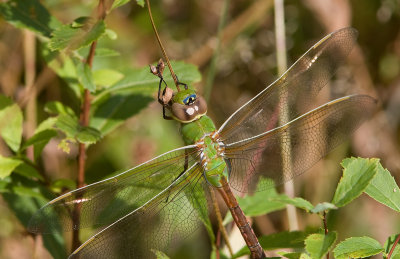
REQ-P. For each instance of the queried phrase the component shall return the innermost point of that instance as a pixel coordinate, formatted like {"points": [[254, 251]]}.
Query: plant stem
{"points": [[84, 121], [326, 229], [284, 115], [393, 246], [212, 68]]}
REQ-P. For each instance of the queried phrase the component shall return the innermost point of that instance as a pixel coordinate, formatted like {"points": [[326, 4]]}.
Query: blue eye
{"points": [[190, 99]]}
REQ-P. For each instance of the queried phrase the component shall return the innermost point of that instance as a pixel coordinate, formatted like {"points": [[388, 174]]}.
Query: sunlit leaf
{"points": [[10, 123], [106, 77], [57, 108], [71, 128], [318, 245], [296, 201], [29, 14], [324, 206], [383, 188], [357, 174], [39, 140], [357, 247], [104, 52], [7, 165], [141, 81], [72, 36], [88, 135], [118, 3]]}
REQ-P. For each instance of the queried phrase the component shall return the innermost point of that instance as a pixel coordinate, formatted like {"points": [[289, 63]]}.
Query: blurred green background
{"points": [[245, 65]]}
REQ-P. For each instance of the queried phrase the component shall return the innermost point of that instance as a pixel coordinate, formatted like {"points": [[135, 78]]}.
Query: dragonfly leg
{"points": [[180, 83]]}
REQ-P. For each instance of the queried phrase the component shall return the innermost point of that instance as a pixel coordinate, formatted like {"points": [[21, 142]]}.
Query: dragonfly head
{"points": [[187, 106]]}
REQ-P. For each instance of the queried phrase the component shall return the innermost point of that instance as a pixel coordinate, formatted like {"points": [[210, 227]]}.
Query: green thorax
{"points": [[195, 130], [201, 132]]}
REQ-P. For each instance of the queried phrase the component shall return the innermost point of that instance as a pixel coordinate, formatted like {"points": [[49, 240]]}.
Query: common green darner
{"points": [[155, 204]]}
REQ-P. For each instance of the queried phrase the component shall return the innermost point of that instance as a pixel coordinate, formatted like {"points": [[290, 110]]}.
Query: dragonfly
{"points": [[156, 204]]}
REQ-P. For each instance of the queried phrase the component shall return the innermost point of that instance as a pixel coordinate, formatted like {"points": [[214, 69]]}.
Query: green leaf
{"points": [[61, 184], [318, 245], [10, 123], [285, 239], [357, 247], [118, 3], [85, 76], [159, 254], [324, 206], [71, 128], [115, 110], [259, 203], [39, 140], [105, 52], [112, 35], [76, 35], [388, 246], [7, 165], [294, 255], [141, 81], [106, 77], [29, 14], [28, 171], [57, 108], [88, 135], [383, 188], [357, 174], [297, 202]]}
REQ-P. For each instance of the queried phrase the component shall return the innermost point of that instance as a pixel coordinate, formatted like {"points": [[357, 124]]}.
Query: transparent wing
{"points": [[157, 225], [106, 201], [305, 140], [294, 92]]}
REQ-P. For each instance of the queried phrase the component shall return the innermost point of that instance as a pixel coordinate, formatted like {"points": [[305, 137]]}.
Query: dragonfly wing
{"points": [[106, 201], [304, 140], [158, 224], [294, 92]]}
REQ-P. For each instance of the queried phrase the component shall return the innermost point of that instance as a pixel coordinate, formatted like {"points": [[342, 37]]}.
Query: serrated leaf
{"points": [[58, 108], [285, 239], [115, 110], [7, 166], [388, 246], [105, 52], [318, 245], [324, 206], [88, 135], [28, 171], [85, 76], [10, 123], [48, 123], [141, 81], [357, 174], [357, 247], [29, 14], [73, 37], [73, 131], [383, 188], [106, 77]]}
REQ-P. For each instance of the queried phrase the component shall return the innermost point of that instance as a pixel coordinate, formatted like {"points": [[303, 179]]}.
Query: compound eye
{"points": [[190, 99]]}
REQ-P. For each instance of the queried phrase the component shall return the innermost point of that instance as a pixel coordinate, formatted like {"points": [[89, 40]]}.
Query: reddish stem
{"points": [[84, 121], [393, 246], [326, 230]]}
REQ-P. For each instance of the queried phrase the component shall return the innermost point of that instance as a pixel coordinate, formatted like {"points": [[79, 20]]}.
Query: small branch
{"points": [[30, 74], [325, 228], [84, 121], [393, 246]]}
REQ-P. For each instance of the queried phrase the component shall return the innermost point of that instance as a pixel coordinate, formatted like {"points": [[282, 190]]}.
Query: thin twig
{"points": [[284, 115], [161, 46], [212, 68], [30, 74], [325, 228], [84, 121], [393, 246], [219, 220]]}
